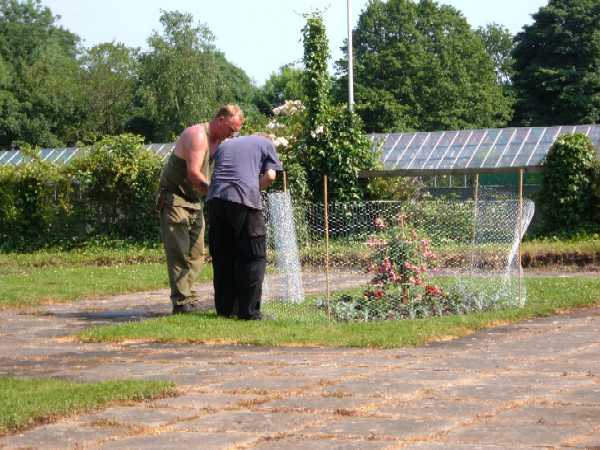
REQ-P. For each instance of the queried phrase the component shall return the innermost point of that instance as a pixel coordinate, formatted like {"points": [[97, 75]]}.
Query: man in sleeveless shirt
{"points": [[183, 184], [243, 167]]}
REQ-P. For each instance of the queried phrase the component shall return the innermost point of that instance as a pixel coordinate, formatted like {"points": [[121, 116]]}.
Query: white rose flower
{"points": [[273, 125], [281, 142]]}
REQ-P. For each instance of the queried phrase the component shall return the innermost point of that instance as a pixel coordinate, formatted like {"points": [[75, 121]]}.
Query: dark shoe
{"points": [[187, 308]]}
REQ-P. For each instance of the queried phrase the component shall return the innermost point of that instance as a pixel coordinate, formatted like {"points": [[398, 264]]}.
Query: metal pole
{"points": [[520, 234], [350, 60], [326, 211]]}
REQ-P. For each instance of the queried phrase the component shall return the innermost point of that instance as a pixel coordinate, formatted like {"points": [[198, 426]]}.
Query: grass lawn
{"points": [[546, 296], [28, 402], [55, 276], [109, 254]]}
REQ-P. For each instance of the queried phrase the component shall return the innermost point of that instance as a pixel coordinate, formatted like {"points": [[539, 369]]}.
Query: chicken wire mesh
{"points": [[386, 260]]}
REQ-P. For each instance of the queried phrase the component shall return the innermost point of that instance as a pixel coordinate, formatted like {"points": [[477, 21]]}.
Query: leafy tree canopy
{"points": [[110, 79], [420, 66], [498, 42], [39, 76], [557, 65], [184, 78], [286, 84]]}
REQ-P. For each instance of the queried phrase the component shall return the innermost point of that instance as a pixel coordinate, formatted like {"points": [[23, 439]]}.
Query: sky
{"points": [[258, 36]]}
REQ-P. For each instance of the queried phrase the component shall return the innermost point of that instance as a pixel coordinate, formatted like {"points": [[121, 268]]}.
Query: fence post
{"points": [[520, 226], [475, 217], [326, 217]]}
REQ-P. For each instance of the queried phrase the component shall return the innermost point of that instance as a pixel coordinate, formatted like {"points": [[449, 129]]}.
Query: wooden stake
{"points": [[520, 227], [326, 210], [476, 216], [284, 181]]}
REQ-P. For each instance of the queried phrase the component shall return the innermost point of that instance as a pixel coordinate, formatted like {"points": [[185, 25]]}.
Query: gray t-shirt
{"points": [[238, 164]]}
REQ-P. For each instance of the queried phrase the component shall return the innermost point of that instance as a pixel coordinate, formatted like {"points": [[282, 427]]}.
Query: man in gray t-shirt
{"points": [[243, 166]]}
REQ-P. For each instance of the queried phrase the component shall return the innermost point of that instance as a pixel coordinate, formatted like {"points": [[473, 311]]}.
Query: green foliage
{"points": [[316, 78], [498, 42], [109, 191], [178, 75], [420, 66], [33, 204], [595, 192], [40, 89], [288, 126], [557, 65], [110, 79], [287, 84], [394, 188], [338, 148], [116, 182], [332, 142], [185, 79], [567, 182]]}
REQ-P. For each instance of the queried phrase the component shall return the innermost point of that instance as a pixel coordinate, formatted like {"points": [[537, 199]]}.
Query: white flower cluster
{"points": [[273, 125], [319, 130], [289, 108], [281, 142]]}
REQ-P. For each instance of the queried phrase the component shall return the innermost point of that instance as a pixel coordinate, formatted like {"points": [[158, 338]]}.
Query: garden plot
{"points": [[403, 260]]}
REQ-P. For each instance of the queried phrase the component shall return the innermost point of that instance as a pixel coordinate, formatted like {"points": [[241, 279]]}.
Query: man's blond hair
{"points": [[230, 110]]}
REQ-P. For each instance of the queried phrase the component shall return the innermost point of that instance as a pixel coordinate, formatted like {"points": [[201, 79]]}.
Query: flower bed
{"points": [[402, 286]]}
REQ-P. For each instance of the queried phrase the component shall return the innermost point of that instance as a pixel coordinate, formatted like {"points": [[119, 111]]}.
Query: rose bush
{"points": [[400, 288]]}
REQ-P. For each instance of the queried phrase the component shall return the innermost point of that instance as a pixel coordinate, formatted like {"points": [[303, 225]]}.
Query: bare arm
{"points": [[196, 149], [267, 178]]}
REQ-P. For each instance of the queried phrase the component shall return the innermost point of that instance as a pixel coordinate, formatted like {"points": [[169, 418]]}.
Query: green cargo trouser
{"points": [[182, 232]]}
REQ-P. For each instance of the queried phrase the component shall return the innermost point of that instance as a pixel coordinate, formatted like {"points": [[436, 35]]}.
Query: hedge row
{"points": [[109, 192]]}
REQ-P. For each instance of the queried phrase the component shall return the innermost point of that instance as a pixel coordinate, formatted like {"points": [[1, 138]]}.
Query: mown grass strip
{"points": [[28, 402], [546, 296], [92, 255], [62, 284]]}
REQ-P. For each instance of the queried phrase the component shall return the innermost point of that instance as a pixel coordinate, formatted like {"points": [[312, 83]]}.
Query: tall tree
{"points": [[110, 79], [557, 65], [184, 78], [40, 91], [498, 41], [233, 84], [179, 75], [421, 66]]}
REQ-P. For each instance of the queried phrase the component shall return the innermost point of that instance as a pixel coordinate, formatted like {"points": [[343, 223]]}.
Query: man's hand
{"points": [[267, 178]]}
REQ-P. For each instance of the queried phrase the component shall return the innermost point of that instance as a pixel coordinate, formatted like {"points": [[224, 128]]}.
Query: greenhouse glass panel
{"points": [[499, 147], [489, 142], [514, 148]]}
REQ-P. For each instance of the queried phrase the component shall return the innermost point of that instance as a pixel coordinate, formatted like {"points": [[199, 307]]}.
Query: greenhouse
{"points": [[391, 260], [492, 150]]}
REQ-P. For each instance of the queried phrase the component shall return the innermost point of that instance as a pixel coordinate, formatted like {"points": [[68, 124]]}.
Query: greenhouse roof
{"points": [[422, 153], [64, 155], [471, 151]]}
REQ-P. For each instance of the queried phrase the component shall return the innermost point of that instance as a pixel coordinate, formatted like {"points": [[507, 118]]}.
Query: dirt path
{"points": [[531, 385]]}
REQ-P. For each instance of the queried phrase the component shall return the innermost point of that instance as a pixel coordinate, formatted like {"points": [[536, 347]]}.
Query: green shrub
{"points": [[109, 192], [332, 141], [34, 204], [594, 197], [567, 183], [116, 183]]}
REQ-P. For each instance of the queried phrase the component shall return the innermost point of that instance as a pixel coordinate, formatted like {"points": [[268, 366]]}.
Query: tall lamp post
{"points": [[350, 62]]}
